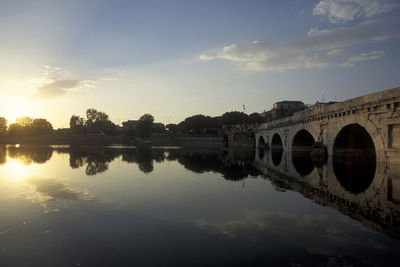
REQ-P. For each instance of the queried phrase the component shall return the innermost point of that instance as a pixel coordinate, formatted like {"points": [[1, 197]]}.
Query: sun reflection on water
{"points": [[15, 170]]}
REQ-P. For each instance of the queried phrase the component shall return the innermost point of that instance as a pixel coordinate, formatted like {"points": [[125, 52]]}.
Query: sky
{"points": [[175, 59]]}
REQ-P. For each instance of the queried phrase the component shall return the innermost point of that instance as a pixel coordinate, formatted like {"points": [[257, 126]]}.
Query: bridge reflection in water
{"points": [[355, 182]]}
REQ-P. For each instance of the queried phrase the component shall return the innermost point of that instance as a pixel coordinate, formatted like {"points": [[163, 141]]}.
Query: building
{"points": [[287, 105], [282, 109]]}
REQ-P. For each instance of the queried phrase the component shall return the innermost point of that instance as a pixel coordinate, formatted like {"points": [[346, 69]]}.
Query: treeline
{"points": [[98, 122], [206, 124], [25, 126], [95, 121]]}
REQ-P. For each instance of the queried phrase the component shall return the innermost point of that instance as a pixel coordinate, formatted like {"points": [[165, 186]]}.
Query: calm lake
{"points": [[126, 206]]}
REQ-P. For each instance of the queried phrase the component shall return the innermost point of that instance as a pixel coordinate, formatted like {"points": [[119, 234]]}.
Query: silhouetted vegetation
{"points": [[29, 126], [144, 126], [97, 122], [97, 128], [3, 126], [77, 124], [201, 124]]}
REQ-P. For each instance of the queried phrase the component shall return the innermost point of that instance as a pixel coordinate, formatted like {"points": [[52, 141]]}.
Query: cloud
{"points": [[361, 57], [53, 189], [316, 233], [58, 88], [342, 11], [319, 49]]}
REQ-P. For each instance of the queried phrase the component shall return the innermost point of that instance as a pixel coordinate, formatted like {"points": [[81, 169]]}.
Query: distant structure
{"points": [[282, 109]]}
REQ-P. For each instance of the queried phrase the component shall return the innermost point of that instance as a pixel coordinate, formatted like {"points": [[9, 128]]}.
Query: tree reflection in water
{"points": [[3, 154], [235, 168], [96, 159], [27, 154]]}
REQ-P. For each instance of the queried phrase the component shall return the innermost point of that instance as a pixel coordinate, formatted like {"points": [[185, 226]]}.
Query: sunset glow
{"points": [[15, 170], [199, 133], [16, 108], [172, 59]]}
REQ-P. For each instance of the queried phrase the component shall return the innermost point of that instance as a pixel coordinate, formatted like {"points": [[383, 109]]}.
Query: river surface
{"points": [[126, 206]]}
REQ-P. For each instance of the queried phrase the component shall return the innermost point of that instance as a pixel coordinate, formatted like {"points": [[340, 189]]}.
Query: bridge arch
{"points": [[276, 149], [302, 141], [354, 158], [367, 123], [301, 152]]}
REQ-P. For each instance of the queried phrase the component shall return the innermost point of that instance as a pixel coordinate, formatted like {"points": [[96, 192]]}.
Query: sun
{"points": [[16, 108]]}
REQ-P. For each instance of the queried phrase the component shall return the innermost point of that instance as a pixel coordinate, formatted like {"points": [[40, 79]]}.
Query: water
{"points": [[124, 206]]}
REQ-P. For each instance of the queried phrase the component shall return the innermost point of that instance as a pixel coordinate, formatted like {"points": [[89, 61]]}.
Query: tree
{"points": [[99, 121], [3, 125], [21, 126], [172, 127], [234, 117], [255, 118], [95, 119], [77, 124], [15, 129], [29, 126], [41, 126], [24, 121], [144, 126], [198, 123]]}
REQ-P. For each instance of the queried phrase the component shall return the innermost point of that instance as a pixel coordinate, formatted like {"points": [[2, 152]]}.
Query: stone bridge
{"points": [[361, 169], [369, 122]]}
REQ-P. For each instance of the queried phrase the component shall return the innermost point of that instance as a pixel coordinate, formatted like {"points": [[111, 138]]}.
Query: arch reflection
{"points": [[261, 147], [301, 152], [276, 149], [354, 158]]}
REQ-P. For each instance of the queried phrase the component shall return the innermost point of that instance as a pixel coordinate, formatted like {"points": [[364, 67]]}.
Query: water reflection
{"points": [[182, 214], [95, 159], [303, 162], [234, 166], [3, 154], [355, 172], [344, 183], [356, 186], [52, 188], [276, 149], [144, 157], [27, 154]]}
